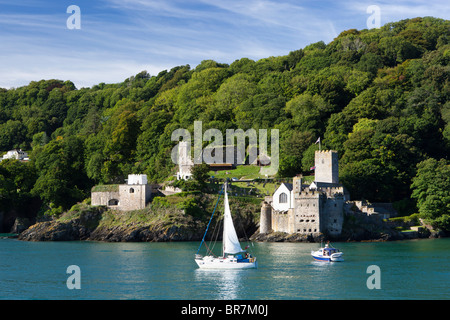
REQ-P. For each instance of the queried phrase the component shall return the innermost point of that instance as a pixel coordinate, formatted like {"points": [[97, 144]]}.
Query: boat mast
{"points": [[224, 224], [210, 219]]}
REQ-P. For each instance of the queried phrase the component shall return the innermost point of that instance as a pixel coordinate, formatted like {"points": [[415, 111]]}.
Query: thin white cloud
{"points": [[82, 72], [120, 38]]}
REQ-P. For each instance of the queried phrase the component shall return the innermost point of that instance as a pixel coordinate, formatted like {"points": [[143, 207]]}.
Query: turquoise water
{"points": [[37, 270]]}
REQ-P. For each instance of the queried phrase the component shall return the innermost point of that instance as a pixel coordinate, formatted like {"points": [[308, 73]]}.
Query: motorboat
{"points": [[327, 253]]}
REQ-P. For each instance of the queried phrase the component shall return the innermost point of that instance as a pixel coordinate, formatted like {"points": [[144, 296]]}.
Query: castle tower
{"points": [[265, 221], [297, 184], [327, 168], [185, 163]]}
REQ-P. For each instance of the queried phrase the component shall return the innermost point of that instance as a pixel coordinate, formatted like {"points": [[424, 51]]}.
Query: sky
{"points": [[115, 39]]}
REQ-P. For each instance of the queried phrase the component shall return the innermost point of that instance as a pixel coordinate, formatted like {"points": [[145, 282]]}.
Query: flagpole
{"points": [[318, 140]]}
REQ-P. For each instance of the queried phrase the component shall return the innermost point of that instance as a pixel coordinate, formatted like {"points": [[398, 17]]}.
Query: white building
{"points": [[17, 154], [283, 197], [137, 179]]}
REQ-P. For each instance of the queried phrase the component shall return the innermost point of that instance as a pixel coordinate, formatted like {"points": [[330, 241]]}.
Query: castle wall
{"points": [[333, 217], [104, 198], [282, 221], [308, 206]]}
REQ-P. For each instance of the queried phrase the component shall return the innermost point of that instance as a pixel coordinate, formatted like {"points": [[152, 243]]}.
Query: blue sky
{"points": [[120, 38]]}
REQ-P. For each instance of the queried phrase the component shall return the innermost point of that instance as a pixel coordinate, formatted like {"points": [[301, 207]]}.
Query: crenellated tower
{"points": [[327, 167]]}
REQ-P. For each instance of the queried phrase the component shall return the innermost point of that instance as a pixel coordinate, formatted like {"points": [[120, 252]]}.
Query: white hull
{"points": [[335, 257], [225, 263], [327, 254]]}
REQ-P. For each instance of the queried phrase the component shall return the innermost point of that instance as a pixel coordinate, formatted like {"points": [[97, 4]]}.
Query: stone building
{"points": [[308, 209], [133, 195]]}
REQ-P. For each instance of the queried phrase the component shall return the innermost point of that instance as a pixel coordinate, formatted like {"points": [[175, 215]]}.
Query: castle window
{"points": [[313, 220], [283, 198], [131, 190], [335, 204], [335, 220]]}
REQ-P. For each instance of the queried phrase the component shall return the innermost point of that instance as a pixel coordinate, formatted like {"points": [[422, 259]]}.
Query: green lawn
{"points": [[241, 172], [259, 187]]}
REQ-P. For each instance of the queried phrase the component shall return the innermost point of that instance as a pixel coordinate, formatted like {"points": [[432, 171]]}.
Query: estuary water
{"points": [[415, 269]]}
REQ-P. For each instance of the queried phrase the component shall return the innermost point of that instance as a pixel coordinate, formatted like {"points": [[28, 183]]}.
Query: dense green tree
{"points": [[200, 174], [369, 179], [62, 180], [291, 152], [431, 189]]}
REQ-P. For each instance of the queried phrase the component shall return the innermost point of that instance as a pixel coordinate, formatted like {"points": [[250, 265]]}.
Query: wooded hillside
{"points": [[379, 97]]}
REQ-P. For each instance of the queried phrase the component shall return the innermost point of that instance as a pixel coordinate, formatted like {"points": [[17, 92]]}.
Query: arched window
{"points": [[283, 198], [131, 190]]}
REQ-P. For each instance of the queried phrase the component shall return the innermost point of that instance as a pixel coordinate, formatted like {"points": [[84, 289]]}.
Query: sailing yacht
{"points": [[233, 256]]}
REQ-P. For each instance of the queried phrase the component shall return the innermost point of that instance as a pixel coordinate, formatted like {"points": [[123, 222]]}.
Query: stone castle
{"points": [[308, 209], [133, 195]]}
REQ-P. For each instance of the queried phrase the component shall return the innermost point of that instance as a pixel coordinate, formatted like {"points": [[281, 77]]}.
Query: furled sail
{"points": [[231, 243]]}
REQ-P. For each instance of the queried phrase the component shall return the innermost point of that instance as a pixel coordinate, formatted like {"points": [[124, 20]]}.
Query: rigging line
{"points": [[210, 251], [203, 240], [240, 218], [215, 234]]}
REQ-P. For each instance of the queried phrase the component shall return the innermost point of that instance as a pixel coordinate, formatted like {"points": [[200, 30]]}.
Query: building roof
{"points": [[288, 185]]}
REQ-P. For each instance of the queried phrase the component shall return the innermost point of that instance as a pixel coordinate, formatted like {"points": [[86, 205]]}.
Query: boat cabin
{"points": [[326, 252]]}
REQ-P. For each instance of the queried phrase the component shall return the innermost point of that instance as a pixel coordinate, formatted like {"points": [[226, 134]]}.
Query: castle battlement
{"points": [[326, 151]]}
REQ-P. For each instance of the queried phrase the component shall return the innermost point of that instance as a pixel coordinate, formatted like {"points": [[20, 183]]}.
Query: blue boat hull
{"points": [[321, 258]]}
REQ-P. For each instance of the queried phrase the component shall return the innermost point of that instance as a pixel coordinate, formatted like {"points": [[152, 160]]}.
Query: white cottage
{"points": [[16, 154]]}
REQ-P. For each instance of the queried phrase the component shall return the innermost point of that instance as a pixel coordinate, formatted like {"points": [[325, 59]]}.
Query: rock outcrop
{"points": [[100, 224], [66, 229]]}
